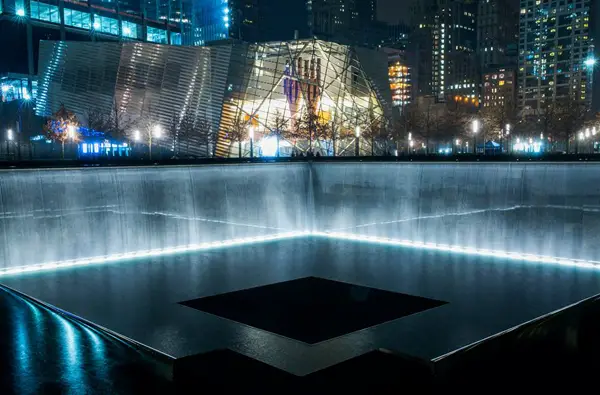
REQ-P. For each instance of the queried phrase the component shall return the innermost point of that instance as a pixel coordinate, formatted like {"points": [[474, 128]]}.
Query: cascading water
{"points": [[55, 215]]}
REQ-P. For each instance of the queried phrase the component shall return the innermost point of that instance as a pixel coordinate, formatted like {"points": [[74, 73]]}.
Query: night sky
{"points": [[392, 11]]}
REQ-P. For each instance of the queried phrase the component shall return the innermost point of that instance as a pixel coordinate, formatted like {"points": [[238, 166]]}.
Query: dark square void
{"points": [[312, 309]]}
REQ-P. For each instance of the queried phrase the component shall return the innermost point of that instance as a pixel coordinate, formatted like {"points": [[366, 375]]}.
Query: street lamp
{"points": [[137, 136], [587, 132], [71, 132], [475, 130], [9, 138], [251, 133], [590, 62], [157, 131], [357, 145]]}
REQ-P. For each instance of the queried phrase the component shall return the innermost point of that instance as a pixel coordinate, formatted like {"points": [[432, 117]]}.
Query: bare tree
{"points": [[149, 128], [96, 119], [279, 128], [571, 117], [307, 127], [62, 126], [207, 136], [238, 132], [372, 128]]}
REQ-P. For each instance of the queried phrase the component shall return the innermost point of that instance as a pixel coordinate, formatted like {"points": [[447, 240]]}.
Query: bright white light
{"points": [[517, 256], [268, 146], [127, 31], [541, 136], [587, 132], [48, 266], [507, 129], [20, 12], [518, 140], [594, 131], [590, 62], [137, 136], [475, 126], [5, 88], [97, 25], [357, 131], [157, 131], [9, 134], [409, 136], [457, 142], [411, 143], [226, 18], [251, 132], [148, 253], [71, 131], [581, 136]]}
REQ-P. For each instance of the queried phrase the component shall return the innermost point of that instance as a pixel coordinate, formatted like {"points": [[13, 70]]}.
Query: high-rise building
{"points": [[556, 52], [249, 20], [455, 69], [400, 78], [444, 41], [23, 23], [341, 20], [497, 33], [499, 89]]}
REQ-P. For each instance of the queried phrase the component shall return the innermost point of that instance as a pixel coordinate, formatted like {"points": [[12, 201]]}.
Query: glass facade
{"points": [[45, 12], [316, 96], [555, 52], [106, 25], [77, 19], [155, 35]]}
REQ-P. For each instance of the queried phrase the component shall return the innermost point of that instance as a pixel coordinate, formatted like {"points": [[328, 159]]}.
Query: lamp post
{"points": [[507, 137], [156, 133], [457, 146], [357, 141], [251, 133], [475, 130], [9, 138]]}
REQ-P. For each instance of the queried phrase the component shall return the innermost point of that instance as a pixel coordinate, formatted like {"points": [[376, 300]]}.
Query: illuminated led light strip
{"points": [[149, 253], [516, 256]]}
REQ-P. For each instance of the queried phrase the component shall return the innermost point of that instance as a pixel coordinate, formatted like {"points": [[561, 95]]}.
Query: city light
{"points": [[148, 253], [457, 142], [71, 132], [590, 62], [5, 88], [457, 249], [126, 30], [20, 12], [581, 136], [357, 131], [157, 131], [594, 131], [475, 126], [137, 136], [587, 132], [507, 129], [517, 256], [97, 25], [9, 134]]}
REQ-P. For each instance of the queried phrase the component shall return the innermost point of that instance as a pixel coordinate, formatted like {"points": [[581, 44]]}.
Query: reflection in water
{"points": [[47, 353]]}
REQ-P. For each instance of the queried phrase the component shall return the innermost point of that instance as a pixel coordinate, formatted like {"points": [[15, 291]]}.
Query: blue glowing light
{"points": [[226, 18], [457, 249], [590, 62], [20, 12]]}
